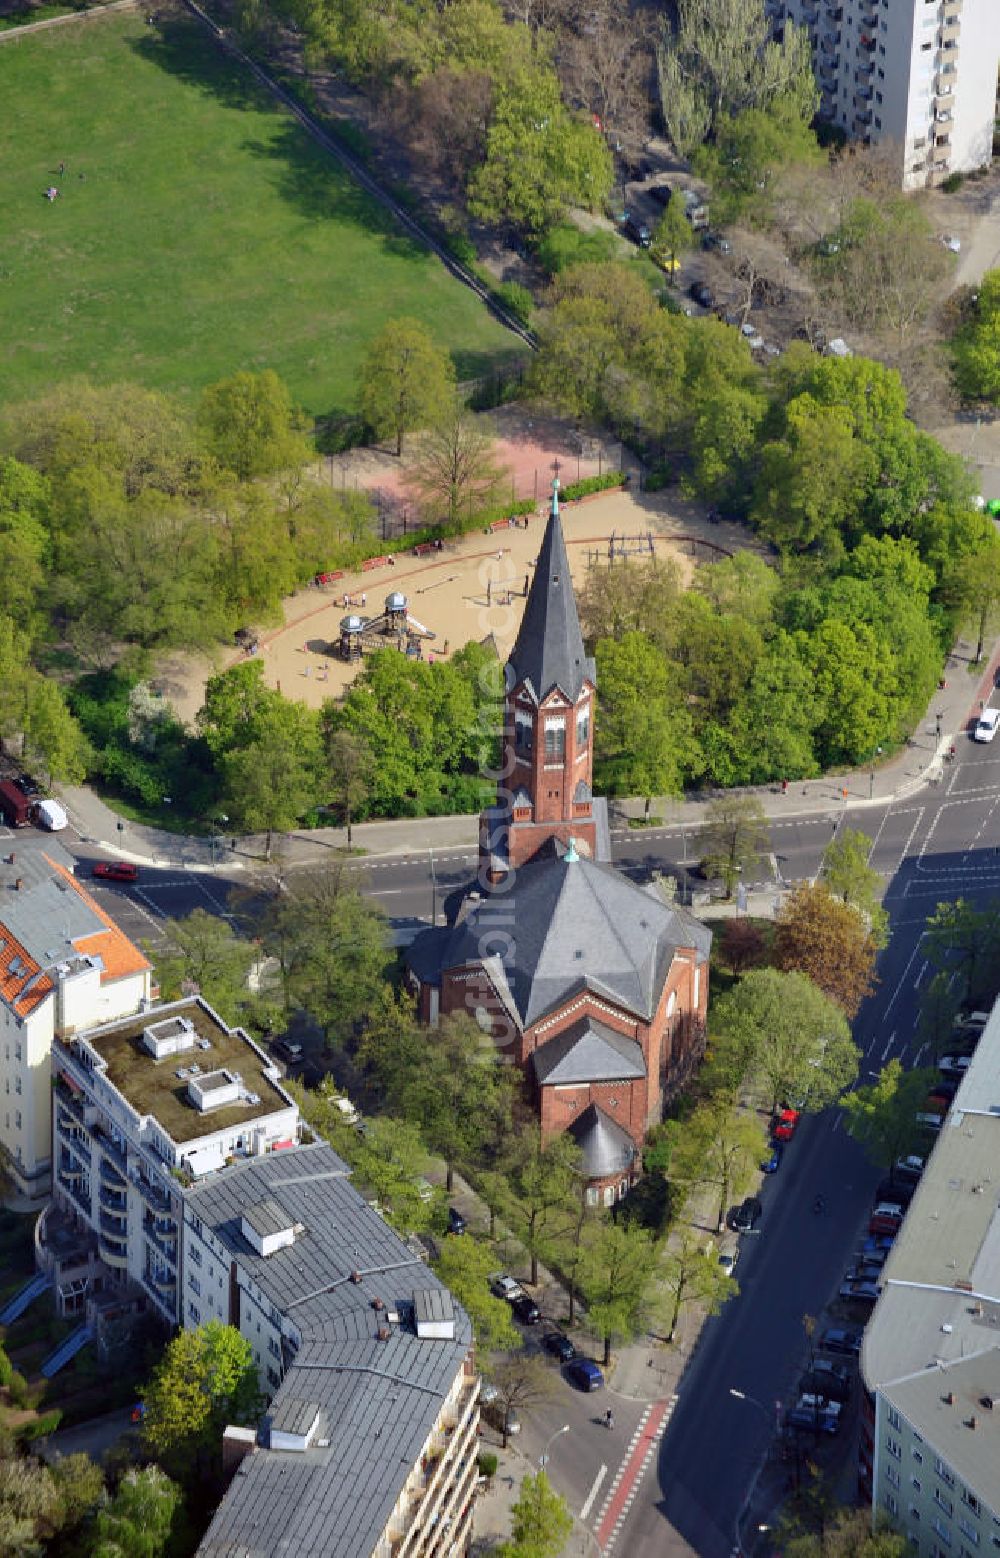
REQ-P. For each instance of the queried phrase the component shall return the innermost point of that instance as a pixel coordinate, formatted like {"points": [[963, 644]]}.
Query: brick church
{"points": [[595, 987]]}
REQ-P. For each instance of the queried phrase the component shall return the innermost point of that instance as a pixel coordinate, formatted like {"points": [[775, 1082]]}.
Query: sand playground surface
{"points": [[474, 587]]}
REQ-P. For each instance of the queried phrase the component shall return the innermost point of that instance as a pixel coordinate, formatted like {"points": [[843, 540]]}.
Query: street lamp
{"points": [[543, 1459], [878, 754], [434, 890]]}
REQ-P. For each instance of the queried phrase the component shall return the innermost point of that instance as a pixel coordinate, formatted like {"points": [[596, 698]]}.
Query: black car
{"points": [[27, 786], [456, 1222], [559, 1346], [746, 1217], [660, 193], [842, 1339], [702, 294], [895, 1190], [638, 232], [526, 1310], [824, 1382]]}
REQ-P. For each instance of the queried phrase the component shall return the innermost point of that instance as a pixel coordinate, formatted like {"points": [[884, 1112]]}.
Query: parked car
{"points": [[860, 1292], [941, 1096], [638, 232], [502, 1286], [869, 1261], [986, 725], [816, 1413], [785, 1124], [115, 871], [559, 1346], [827, 1378], [972, 1019], [745, 1218], [895, 1191], [660, 193], [456, 1222], [909, 1168], [584, 1374], [49, 815], [494, 1413], [526, 1310], [728, 1259], [886, 1219], [701, 294], [954, 1065], [772, 1162], [864, 1271], [842, 1339], [930, 1122], [877, 1243], [288, 1051], [714, 240]]}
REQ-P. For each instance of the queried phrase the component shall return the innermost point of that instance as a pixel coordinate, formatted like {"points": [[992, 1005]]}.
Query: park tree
{"points": [[743, 944], [785, 1038], [465, 1266], [456, 471], [140, 1520], [846, 872], [204, 956], [888, 264], [406, 382], [644, 742], [544, 1190], [811, 479], [672, 237], [521, 1380], [977, 345], [733, 838], [974, 586], [351, 763], [614, 1275], [541, 1521], [206, 1379], [722, 1147], [855, 688], [964, 940], [29, 1505], [236, 707], [25, 498], [829, 940], [689, 1273], [882, 1115], [270, 784], [250, 425], [640, 598]]}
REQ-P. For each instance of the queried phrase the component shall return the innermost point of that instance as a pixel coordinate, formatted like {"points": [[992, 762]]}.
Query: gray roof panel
{"points": [[588, 1051], [549, 651], [607, 1148]]}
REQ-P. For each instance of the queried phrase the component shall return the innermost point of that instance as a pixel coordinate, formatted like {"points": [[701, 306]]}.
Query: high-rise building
{"points": [[918, 77], [64, 965]]}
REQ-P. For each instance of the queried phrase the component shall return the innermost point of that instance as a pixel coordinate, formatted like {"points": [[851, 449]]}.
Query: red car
{"points": [[116, 871], [785, 1124], [886, 1218]]}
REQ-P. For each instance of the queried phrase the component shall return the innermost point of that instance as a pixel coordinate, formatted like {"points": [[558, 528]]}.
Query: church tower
{"points": [[546, 798]]}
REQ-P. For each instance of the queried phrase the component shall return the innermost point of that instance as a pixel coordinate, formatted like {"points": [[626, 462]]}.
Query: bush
{"points": [[488, 1463], [953, 183], [565, 245], [589, 484], [659, 477], [40, 1427], [516, 299]]}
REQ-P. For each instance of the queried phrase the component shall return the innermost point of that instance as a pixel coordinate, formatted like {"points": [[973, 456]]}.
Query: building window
{"points": [[892, 1476], [916, 1483], [274, 1378], [893, 1446], [890, 1504], [555, 740], [583, 727], [194, 1314], [195, 1255], [918, 1457], [971, 1502], [17, 1119], [592, 1196], [942, 1501], [968, 1530], [943, 1533], [892, 1418], [194, 1285], [609, 1195], [523, 728], [944, 1472]]}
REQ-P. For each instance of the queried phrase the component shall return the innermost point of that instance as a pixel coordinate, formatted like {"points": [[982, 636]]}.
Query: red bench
{"points": [[375, 562]]}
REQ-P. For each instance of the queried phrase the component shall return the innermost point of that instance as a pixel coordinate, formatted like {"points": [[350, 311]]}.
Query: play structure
{"points": [[619, 548], [394, 629]]}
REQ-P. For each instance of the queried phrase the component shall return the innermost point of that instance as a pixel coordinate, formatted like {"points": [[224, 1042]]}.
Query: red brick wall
{"points": [[623, 1102]]}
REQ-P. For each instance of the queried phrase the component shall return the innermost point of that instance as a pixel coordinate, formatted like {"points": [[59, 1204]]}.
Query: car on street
{"points": [[954, 1065], [559, 1346], [638, 232], [728, 1259], [986, 725], [746, 1217], [772, 1162], [877, 1244], [941, 1097], [909, 1168], [526, 1310], [972, 1020], [886, 1218], [502, 1286], [895, 1192], [701, 294], [815, 1412], [584, 1374], [495, 1413], [842, 1339], [864, 1271], [784, 1124], [456, 1222], [288, 1051], [860, 1292], [714, 240], [930, 1122], [115, 871]]}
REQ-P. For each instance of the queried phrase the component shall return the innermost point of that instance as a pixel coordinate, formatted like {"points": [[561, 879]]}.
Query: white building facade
{"points": [[917, 76]]}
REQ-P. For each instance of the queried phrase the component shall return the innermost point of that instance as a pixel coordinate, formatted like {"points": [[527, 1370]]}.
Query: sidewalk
{"points": [[493, 1510]]}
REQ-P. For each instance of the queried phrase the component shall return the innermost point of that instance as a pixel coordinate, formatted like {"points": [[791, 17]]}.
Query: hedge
{"points": [[589, 484]]}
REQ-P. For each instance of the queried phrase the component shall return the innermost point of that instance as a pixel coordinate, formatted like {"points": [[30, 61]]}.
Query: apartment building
{"points": [[930, 1361], [185, 1185], [64, 965], [916, 76]]}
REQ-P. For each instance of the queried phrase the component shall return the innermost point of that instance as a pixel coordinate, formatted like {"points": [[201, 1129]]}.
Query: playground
{"points": [[432, 600]]}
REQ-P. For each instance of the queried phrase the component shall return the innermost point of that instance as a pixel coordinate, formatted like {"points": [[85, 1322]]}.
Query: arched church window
{"points": [[555, 739]]}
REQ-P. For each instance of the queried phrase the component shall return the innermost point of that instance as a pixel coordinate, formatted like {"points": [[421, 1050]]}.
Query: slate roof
{"points": [[606, 1146], [568, 925], [588, 1051], [378, 1399], [549, 651]]}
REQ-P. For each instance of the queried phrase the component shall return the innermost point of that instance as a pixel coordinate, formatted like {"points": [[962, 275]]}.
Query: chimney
{"points": [[949, 1399], [972, 1422], [18, 881]]}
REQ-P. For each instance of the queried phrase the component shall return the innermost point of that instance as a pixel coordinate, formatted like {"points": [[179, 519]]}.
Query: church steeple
{"points": [[547, 799], [549, 651]]}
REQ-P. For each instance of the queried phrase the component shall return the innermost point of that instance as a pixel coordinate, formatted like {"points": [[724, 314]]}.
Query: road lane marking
{"points": [[591, 1496], [888, 1044]]}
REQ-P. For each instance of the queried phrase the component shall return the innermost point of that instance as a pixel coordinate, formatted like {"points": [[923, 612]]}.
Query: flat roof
{"points": [[965, 1429], [153, 1086]]}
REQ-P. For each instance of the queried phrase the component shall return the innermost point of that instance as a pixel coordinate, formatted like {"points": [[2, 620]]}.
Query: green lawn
{"points": [[198, 230]]}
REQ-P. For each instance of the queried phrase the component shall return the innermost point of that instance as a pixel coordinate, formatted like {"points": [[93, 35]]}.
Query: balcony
{"points": [[113, 1249], [834, 12], [113, 1199], [114, 1154], [163, 1288], [950, 28], [163, 1242], [947, 59]]}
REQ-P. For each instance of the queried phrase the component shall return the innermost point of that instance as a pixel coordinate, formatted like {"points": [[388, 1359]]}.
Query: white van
{"points": [[50, 815], [986, 729]]}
